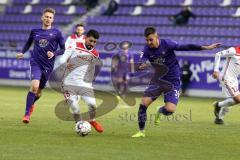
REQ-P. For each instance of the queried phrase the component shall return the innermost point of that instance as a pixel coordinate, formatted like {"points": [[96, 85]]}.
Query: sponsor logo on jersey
{"points": [[43, 43]]}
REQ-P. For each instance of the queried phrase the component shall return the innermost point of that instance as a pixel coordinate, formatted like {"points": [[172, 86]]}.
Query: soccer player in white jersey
{"points": [[228, 78], [77, 36], [79, 74]]}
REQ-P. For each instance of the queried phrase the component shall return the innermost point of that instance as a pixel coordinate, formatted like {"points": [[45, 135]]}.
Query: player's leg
{"points": [[89, 99], [230, 89], [142, 116], [166, 110], [171, 100], [91, 102], [153, 91], [38, 95], [42, 85], [31, 96], [124, 85], [30, 99], [222, 107], [72, 100]]}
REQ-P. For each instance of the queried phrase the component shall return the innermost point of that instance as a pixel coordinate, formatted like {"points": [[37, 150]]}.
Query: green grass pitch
{"points": [[189, 134]]}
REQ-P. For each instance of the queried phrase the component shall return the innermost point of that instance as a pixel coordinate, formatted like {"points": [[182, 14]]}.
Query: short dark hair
{"points": [[149, 30], [93, 33], [79, 25], [50, 10]]}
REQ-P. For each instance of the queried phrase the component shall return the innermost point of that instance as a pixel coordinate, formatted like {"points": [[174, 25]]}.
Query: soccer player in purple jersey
{"points": [[46, 41], [121, 68], [160, 53]]}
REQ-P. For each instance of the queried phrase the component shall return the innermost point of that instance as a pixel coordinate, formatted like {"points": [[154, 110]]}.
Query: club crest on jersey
{"points": [[43, 42]]}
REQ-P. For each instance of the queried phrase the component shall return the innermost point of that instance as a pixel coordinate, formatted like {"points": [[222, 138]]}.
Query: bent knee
{"points": [[146, 101], [170, 107], [39, 93], [165, 111], [237, 99], [34, 89], [171, 110], [34, 86]]}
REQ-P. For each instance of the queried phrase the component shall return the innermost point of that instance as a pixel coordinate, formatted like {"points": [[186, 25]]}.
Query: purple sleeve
{"points": [[61, 43], [187, 47], [28, 43]]}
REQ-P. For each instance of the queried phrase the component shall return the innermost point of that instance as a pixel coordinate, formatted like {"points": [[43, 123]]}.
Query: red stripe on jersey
{"points": [[73, 36], [80, 46], [237, 50]]}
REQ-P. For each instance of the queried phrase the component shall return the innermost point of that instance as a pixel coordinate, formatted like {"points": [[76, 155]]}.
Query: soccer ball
{"points": [[83, 128]]}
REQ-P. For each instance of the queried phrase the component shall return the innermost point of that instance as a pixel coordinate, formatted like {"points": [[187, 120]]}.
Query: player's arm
{"points": [[26, 46], [66, 56], [194, 47], [68, 42], [61, 43], [190, 47], [225, 53]]}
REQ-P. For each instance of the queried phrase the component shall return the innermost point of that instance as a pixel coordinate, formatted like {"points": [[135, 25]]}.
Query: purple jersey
{"points": [[121, 64], [44, 41], [164, 55], [124, 60]]}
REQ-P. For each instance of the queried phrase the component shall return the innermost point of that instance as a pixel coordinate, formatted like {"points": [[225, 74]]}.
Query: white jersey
{"points": [[71, 40], [84, 62], [231, 70], [232, 64], [69, 44]]}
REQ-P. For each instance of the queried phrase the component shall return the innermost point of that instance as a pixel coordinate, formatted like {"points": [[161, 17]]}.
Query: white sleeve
{"points": [[68, 42], [67, 54], [225, 53]]}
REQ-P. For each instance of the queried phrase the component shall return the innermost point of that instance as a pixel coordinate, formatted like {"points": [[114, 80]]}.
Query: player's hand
{"points": [[50, 54], [212, 46], [142, 66], [19, 55], [215, 75]]}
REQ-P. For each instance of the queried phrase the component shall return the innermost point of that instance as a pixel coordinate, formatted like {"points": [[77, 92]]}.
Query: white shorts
{"points": [[87, 94], [230, 87]]}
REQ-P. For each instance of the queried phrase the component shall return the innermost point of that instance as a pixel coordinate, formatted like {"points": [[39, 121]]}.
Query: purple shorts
{"points": [[169, 89], [38, 73]]}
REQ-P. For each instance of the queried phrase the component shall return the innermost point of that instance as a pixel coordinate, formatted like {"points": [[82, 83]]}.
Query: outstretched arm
{"points": [[212, 46], [193, 47]]}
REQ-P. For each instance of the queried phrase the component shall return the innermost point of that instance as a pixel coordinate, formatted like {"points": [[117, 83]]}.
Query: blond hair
{"points": [[50, 10]]}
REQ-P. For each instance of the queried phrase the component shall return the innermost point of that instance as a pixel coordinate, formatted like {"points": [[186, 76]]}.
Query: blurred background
{"points": [[185, 21]]}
